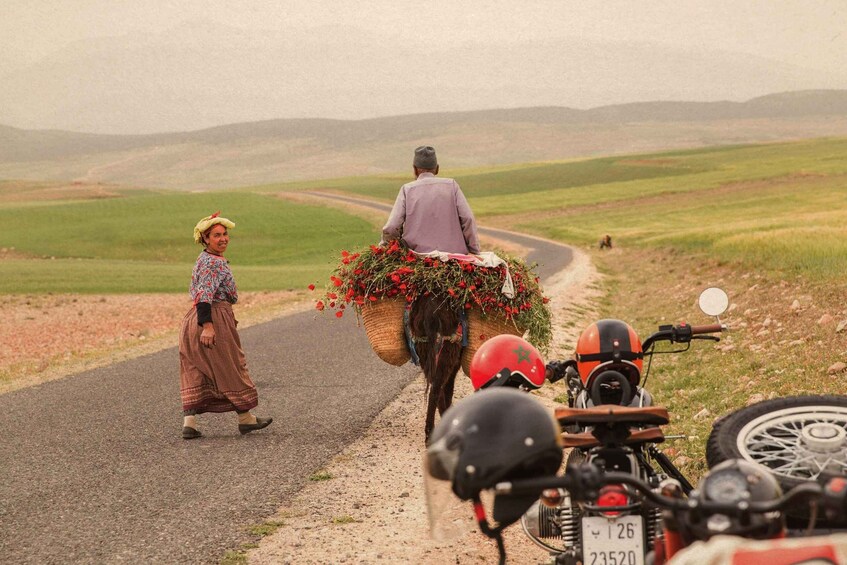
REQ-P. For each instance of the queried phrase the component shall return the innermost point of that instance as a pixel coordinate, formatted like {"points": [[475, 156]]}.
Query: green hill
{"points": [[285, 150]]}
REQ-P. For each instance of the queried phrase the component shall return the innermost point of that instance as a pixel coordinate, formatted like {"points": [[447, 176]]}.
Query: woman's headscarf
{"points": [[207, 223]]}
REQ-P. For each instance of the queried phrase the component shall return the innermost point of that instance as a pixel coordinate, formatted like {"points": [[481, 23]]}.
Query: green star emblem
{"points": [[523, 354]]}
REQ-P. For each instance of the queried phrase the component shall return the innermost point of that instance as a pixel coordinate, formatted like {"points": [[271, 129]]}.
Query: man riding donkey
{"points": [[431, 215]]}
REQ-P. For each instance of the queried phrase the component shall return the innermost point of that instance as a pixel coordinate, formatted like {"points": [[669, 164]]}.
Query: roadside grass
{"points": [[771, 350], [258, 531], [234, 557], [320, 476], [265, 528]]}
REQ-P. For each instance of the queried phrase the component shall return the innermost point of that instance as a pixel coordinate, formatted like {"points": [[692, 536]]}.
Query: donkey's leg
{"points": [[448, 393], [432, 403]]}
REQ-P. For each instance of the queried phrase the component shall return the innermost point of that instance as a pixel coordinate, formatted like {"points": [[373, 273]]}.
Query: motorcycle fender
{"points": [[787, 551]]}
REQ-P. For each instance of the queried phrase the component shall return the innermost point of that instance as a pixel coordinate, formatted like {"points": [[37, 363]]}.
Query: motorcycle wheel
{"points": [[799, 439]]}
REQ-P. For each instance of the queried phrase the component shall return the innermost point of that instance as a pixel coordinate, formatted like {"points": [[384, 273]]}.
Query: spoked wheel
{"points": [[799, 439]]}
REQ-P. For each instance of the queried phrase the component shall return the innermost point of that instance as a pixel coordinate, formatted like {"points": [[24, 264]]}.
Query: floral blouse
{"points": [[212, 280]]}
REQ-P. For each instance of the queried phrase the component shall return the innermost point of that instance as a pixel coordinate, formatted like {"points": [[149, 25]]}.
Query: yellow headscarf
{"points": [[208, 222]]}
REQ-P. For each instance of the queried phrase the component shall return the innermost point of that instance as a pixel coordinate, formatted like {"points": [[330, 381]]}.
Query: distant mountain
{"points": [[200, 74], [278, 150]]}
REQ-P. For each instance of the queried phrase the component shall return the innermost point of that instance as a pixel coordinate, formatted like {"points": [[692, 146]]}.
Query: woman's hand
{"points": [[207, 336]]}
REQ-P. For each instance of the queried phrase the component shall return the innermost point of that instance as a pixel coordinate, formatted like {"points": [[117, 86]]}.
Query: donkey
{"points": [[438, 342]]}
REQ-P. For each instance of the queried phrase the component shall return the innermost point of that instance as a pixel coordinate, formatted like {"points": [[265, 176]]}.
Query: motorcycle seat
{"points": [[612, 414], [586, 440]]}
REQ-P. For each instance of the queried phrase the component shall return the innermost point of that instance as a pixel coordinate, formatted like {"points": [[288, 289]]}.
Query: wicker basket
{"points": [[481, 328], [383, 321]]}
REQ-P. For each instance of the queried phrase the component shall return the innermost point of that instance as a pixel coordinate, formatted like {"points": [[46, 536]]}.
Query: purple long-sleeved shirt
{"points": [[432, 214]]}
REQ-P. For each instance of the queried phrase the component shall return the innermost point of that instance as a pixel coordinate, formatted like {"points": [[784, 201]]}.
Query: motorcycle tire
{"points": [[782, 434]]}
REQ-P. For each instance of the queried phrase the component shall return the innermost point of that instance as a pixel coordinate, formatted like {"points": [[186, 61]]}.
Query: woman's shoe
{"points": [[190, 433], [260, 423]]}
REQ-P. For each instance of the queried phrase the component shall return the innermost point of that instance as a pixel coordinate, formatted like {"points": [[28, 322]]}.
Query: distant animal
{"points": [[436, 333], [606, 241]]}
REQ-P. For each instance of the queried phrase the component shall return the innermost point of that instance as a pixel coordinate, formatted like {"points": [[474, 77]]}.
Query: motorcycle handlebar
{"points": [[708, 329], [584, 481], [683, 333]]}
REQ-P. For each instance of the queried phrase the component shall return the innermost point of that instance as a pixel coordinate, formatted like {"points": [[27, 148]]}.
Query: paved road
{"points": [[93, 469]]}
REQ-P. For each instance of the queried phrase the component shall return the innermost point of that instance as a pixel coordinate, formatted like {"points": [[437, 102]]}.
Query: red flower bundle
{"points": [[393, 271]]}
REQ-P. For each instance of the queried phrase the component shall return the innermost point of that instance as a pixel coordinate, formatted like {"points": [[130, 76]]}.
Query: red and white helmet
{"points": [[509, 359], [609, 345]]}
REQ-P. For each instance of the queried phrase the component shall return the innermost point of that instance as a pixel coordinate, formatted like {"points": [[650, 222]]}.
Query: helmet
{"points": [[496, 435], [510, 358], [609, 345], [732, 481]]}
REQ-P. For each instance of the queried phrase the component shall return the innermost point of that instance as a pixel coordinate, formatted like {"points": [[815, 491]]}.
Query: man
{"points": [[430, 213]]}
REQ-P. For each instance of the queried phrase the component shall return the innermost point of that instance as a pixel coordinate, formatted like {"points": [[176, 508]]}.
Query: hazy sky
{"points": [[807, 34]]}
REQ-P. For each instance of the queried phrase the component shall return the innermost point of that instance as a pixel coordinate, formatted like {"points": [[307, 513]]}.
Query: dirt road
{"points": [[373, 508]]}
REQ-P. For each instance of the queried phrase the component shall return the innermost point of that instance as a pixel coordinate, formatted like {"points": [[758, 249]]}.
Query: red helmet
{"points": [[609, 345], [509, 357]]}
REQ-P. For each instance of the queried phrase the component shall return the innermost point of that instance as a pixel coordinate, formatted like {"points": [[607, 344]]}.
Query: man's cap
{"points": [[425, 158]]}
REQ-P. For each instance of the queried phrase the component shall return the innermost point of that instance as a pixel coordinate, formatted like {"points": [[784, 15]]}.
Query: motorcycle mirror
{"points": [[713, 301]]}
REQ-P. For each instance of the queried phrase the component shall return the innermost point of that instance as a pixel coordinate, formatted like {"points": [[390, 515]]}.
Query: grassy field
{"points": [[141, 241], [767, 222], [777, 207]]}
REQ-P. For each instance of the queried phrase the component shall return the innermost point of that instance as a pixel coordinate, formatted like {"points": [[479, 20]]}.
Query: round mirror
{"points": [[714, 301]]}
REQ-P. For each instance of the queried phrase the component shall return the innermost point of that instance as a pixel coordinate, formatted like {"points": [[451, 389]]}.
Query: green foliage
{"points": [[393, 271], [232, 557]]}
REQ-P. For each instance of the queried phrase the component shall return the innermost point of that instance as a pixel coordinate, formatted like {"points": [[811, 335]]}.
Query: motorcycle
{"points": [[736, 501], [611, 422], [798, 438], [735, 498]]}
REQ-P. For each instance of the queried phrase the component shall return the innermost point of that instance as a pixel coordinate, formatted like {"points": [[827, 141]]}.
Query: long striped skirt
{"points": [[214, 379]]}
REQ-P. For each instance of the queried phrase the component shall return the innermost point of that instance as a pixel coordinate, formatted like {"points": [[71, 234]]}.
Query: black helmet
{"points": [[733, 481], [492, 436]]}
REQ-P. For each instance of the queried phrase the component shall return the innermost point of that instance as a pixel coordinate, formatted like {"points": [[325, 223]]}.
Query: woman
{"points": [[213, 370]]}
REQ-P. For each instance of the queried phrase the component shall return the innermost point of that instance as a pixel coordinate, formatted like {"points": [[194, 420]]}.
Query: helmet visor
{"points": [[441, 459], [449, 517]]}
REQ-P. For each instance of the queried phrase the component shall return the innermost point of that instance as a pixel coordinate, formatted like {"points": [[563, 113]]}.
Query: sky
{"points": [[806, 35]]}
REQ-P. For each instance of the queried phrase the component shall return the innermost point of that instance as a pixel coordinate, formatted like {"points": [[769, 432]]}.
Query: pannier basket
{"points": [[383, 321], [481, 328]]}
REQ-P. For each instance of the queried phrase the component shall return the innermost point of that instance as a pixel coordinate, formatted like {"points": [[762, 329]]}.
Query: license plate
{"points": [[616, 541]]}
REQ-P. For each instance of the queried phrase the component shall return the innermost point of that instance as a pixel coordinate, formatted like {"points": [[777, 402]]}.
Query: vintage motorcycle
{"points": [[735, 498], [611, 422], [798, 438]]}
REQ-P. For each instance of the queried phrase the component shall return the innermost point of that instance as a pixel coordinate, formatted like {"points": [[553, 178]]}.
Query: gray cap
{"points": [[425, 158]]}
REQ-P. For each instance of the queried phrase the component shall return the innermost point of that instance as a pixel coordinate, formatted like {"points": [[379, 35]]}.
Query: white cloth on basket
{"points": [[481, 259]]}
